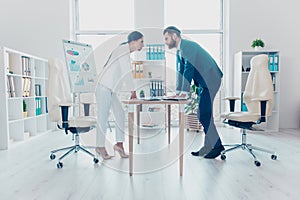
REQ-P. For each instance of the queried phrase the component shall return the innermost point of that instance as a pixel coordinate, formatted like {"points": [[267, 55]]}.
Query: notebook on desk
{"points": [[175, 98]]}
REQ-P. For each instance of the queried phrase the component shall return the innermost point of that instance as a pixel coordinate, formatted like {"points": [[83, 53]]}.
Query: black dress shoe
{"points": [[203, 151], [215, 152]]}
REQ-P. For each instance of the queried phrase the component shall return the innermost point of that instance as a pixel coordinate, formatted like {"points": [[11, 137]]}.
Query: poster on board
{"points": [[81, 66]]}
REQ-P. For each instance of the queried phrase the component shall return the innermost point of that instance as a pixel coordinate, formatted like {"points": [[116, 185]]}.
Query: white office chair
{"points": [[259, 98], [59, 102]]}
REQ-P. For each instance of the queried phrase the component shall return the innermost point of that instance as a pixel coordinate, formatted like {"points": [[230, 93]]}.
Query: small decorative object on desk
{"points": [[142, 94], [258, 44]]}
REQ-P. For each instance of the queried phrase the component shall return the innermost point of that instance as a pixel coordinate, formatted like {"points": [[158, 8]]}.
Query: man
{"points": [[195, 63]]}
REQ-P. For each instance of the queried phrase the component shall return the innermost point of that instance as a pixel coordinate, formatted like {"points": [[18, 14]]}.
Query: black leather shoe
{"points": [[203, 151], [215, 152]]}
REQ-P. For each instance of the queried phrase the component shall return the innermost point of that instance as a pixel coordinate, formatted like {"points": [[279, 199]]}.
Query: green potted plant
{"points": [[257, 44], [24, 109], [191, 109]]}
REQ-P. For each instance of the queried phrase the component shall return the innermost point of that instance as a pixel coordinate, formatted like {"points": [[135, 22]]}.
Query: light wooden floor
{"points": [[28, 173]]}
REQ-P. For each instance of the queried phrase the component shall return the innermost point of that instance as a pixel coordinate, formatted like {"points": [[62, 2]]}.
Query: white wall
{"points": [[34, 26], [37, 27], [277, 23]]}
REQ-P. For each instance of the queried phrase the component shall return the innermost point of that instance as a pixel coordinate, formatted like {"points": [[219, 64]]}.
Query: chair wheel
{"points": [[223, 157], [273, 157], [96, 160], [59, 165], [52, 156], [257, 163]]}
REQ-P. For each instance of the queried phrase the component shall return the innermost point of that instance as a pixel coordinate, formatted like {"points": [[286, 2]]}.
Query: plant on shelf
{"points": [[24, 109], [191, 109], [258, 43]]}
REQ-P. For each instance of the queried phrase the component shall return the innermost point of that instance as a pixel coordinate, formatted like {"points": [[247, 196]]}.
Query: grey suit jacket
{"points": [[198, 65]]}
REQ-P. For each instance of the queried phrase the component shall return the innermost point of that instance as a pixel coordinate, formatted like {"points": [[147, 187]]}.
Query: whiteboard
{"points": [[81, 66]]}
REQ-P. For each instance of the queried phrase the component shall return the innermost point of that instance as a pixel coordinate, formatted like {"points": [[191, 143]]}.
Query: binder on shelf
{"points": [[46, 105], [276, 61], [38, 106], [25, 66], [137, 70], [37, 89], [11, 86], [271, 62], [155, 52], [26, 86], [156, 88], [243, 105]]}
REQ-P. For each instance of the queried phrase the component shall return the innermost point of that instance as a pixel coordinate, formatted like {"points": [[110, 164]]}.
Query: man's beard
{"points": [[172, 44]]}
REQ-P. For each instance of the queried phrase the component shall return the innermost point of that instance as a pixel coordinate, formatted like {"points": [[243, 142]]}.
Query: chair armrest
{"points": [[260, 99], [232, 98], [263, 108], [232, 102]]}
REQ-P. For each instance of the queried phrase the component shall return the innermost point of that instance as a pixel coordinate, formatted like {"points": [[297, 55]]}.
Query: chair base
{"points": [[75, 148], [249, 148]]}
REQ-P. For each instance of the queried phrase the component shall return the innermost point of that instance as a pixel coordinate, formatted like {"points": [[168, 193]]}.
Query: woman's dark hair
{"points": [[133, 36]]}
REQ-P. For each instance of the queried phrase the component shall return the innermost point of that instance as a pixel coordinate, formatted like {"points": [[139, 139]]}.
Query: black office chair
{"points": [[59, 102], [258, 97]]}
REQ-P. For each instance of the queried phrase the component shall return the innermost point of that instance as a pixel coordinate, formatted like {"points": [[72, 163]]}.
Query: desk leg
{"points": [[169, 124], [181, 140], [138, 122], [130, 130]]}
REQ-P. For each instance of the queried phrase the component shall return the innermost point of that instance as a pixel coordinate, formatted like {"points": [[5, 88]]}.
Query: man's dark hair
{"points": [[172, 29]]}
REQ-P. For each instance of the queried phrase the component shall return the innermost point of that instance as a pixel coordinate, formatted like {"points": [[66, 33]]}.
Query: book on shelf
{"points": [[11, 86]]}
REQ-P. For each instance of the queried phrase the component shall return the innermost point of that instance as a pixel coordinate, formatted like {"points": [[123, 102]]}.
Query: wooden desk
{"points": [[137, 103]]}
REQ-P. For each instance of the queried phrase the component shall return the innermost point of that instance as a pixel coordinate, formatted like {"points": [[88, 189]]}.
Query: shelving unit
{"points": [[241, 71], [149, 73], [24, 79]]}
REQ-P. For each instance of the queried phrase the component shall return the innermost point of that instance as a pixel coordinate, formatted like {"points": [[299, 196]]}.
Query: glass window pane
{"points": [[193, 14], [106, 15], [210, 42]]}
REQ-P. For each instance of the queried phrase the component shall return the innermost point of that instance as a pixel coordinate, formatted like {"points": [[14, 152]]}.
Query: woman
{"points": [[116, 73]]}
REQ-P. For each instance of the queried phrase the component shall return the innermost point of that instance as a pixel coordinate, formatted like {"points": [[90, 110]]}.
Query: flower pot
{"points": [[192, 122], [25, 114], [258, 48]]}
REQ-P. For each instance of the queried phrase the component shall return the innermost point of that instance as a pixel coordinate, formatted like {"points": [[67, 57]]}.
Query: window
{"points": [[98, 20]]}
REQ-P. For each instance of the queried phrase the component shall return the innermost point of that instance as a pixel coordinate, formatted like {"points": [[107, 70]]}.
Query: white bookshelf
{"points": [[25, 79], [241, 71]]}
